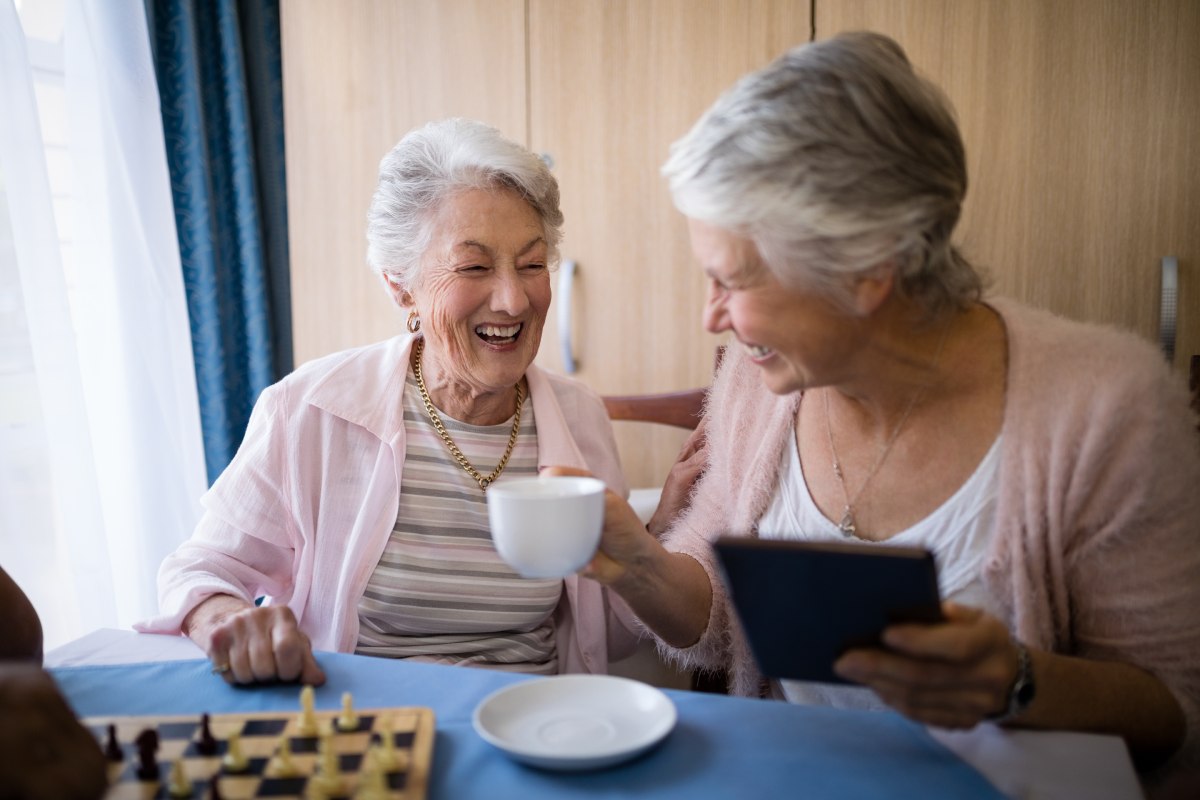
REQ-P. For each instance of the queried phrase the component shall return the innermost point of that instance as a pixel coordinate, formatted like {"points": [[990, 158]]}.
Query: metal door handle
{"points": [[1170, 294], [566, 283]]}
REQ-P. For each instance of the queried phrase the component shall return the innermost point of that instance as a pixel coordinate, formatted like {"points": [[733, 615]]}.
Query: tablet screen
{"points": [[802, 604]]}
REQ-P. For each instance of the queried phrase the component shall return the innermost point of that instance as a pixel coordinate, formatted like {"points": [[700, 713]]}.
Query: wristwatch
{"points": [[1022, 691]]}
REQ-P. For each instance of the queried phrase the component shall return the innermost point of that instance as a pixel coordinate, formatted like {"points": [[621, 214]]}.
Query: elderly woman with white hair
{"points": [[356, 502], [1050, 466]]}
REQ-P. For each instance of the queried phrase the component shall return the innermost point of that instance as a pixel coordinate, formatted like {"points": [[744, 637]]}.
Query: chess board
{"points": [[412, 732]]}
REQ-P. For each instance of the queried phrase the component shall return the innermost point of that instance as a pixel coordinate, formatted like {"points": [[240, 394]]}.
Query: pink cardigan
{"points": [[1097, 544], [304, 511]]}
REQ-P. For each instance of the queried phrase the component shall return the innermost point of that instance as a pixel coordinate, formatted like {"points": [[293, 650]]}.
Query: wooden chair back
{"points": [[678, 409]]}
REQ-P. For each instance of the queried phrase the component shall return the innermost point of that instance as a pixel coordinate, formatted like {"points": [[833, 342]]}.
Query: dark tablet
{"points": [[802, 604]]}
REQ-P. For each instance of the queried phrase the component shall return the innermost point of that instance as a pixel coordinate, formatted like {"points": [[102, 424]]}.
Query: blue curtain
{"points": [[218, 69]]}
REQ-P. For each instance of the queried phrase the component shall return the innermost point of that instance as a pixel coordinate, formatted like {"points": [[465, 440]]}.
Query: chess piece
{"points": [[283, 765], [214, 788], [329, 780], [179, 785], [387, 754], [348, 721], [112, 748], [147, 746], [372, 777], [207, 744], [307, 724], [234, 760]]}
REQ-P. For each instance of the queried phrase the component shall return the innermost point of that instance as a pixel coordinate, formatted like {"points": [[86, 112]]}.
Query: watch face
{"points": [[1025, 692]]}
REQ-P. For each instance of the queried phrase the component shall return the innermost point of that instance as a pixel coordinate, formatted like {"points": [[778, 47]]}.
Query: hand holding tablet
{"points": [[803, 604]]}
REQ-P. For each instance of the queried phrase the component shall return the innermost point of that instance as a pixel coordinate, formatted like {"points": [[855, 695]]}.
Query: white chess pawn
{"points": [[330, 778], [348, 721], [235, 759], [373, 778], [306, 725], [284, 766], [386, 756], [179, 785]]}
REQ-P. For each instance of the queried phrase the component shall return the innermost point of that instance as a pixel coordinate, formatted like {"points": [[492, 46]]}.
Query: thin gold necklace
{"points": [[847, 526], [482, 480]]}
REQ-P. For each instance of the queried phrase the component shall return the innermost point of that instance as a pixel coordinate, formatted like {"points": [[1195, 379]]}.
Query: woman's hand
{"points": [[624, 542], [249, 644], [669, 592], [953, 674], [45, 754], [677, 490]]}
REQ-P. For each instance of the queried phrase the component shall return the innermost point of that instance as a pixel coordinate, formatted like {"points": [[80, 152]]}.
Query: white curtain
{"points": [[101, 458]]}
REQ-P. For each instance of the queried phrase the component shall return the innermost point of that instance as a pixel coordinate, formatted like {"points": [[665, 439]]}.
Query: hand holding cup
{"points": [[548, 526]]}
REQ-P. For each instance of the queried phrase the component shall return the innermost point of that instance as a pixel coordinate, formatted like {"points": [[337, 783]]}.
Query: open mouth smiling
{"points": [[499, 334]]}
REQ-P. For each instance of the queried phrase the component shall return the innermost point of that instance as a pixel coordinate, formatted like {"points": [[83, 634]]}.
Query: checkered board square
{"points": [[412, 731]]}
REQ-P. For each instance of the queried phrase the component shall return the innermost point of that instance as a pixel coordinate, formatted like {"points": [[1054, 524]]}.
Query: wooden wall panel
{"points": [[357, 75], [1081, 119], [612, 84]]}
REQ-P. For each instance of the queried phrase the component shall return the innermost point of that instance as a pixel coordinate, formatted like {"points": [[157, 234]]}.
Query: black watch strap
{"points": [[1022, 691]]}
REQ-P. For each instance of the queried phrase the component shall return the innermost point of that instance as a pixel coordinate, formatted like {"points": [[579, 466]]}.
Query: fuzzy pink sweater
{"points": [[1096, 550]]}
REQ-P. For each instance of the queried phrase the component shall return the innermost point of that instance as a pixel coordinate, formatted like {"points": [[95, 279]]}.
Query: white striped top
{"points": [[440, 591]]}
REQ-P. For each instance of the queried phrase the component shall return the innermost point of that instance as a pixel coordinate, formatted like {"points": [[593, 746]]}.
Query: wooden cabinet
{"points": [[612, 85], [356, 77], [1082, 125]]}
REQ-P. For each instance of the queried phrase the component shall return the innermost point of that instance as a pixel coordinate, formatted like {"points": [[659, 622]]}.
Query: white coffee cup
{"points": [[548, 526]]}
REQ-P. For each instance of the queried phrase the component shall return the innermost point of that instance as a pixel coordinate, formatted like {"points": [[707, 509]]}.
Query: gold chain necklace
{"points": [[847, 526], [482, 480]]}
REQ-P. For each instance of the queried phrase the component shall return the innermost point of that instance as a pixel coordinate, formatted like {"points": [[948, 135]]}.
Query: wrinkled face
{"points": [[482, 290], [798, 339]]}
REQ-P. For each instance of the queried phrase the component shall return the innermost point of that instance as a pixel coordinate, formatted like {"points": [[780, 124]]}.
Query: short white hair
{"points": [[435, 162], [834, 159]]}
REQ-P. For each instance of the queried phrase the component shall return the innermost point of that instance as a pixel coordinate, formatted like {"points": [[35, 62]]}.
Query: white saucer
{"points": [[575, 722]]}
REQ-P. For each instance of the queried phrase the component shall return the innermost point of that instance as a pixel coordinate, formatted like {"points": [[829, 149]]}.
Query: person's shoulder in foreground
{"points": [[45, 754]]}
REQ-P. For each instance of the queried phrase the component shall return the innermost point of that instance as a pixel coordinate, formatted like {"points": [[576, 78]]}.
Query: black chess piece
{"points": [[112, 748], [147, 745], [214, 788], [207, 746]]}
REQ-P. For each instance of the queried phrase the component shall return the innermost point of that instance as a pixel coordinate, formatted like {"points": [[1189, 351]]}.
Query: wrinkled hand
{"points": [[45, 754], [677, 489], [256, 645], [624, 540], [952, 674]]}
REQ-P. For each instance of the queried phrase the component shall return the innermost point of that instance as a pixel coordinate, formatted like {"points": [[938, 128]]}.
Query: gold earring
{"points": [[414, 322]]}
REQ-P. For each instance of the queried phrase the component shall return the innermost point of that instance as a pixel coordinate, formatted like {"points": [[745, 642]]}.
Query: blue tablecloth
{"points": [[722, 747]]}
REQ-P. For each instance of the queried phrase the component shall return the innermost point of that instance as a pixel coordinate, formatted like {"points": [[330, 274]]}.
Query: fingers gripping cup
{"points": [[546, 527]]}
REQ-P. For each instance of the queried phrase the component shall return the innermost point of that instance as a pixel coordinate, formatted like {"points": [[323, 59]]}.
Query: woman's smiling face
{"points": [[482, 291], [798, 339]]}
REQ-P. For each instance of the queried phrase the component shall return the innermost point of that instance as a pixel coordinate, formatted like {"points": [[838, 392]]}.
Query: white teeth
{"points": [[757, 351], [504, 332]]}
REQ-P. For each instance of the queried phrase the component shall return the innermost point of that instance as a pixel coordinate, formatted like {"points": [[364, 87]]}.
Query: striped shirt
{"points": [[440, 591]]}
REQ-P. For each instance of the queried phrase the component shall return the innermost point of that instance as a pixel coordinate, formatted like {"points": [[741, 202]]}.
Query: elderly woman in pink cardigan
{"points": [[1050, 466], [355, 503]]}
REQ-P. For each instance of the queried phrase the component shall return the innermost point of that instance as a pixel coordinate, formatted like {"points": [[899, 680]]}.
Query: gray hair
{"points": [[431, 164], [835, 158]]}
